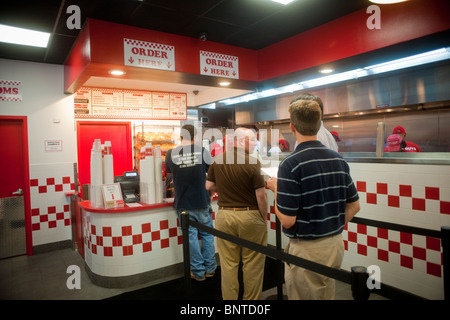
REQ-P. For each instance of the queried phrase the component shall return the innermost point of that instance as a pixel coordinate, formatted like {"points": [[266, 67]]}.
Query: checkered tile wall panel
{"points": [[399, 248], [50, 207], [127, 240]]}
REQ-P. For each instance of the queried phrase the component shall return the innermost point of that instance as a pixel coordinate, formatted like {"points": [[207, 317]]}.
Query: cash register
{"points": [[129, 184]]}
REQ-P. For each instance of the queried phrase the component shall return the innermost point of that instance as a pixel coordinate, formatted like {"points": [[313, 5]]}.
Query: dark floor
{"points": [[44, 277]]}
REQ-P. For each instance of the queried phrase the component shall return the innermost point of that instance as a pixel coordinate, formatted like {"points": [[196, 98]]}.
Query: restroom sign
{"points": [[219, 65], [10, 90], [148, 55]]}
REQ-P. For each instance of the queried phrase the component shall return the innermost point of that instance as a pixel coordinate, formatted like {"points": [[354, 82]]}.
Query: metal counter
{"points": [[430, 158]]}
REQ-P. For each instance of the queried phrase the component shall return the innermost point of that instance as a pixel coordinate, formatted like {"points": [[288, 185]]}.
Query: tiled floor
{"points": [[44, 276]]}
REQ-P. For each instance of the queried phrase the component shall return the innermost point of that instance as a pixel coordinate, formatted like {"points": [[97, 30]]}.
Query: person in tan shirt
{"points": [[236, 177]]}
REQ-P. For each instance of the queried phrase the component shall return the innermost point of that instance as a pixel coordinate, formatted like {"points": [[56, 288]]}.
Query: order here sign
{"points": [[219, 65], [151, 55]]}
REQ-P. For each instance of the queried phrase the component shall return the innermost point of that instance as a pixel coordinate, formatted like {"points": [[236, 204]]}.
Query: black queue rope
{"points": [[358, 276]]}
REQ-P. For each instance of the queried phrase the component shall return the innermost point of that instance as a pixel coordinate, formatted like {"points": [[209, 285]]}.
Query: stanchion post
{"points": [[359, 277], [279, 262], [184, 216], [445, 241]]}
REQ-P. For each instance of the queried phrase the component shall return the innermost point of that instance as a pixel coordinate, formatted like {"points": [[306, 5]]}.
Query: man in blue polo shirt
{"points": [[315, 197]]}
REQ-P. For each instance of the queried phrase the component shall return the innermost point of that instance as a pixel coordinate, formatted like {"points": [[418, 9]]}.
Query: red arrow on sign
{"points": [[131, 60], [205, 69]]}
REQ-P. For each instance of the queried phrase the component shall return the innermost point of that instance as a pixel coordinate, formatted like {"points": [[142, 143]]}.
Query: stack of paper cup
{"points": [[108, 164], [158, 175], [147, 174], [143, 177], [150, 163], [95, 190]]}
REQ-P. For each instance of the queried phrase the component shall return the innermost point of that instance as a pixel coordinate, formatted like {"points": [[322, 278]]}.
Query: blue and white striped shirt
{"points": [[314, 184]]}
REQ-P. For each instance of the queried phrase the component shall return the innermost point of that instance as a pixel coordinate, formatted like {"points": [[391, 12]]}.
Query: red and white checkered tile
{"points": [[128, 240], [399, 248], [411, 195], [50, 208], [121, 244]]}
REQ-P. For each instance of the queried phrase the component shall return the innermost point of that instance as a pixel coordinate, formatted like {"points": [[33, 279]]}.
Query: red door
{"points": [[15, 216], [119, 133]]}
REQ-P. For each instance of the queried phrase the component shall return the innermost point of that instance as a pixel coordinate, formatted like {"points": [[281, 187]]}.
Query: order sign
{"points": [[151, 55], [219, 65]]}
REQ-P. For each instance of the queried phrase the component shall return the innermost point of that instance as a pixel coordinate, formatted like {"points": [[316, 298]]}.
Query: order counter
{"points": [[408, 189], [132, 244], [411, 189]]}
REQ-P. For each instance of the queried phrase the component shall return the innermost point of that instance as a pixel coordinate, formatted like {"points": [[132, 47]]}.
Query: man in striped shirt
{"points": [[315, 197]]}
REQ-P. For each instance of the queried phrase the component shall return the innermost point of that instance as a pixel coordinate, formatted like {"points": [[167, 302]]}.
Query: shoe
{"points": [[197, 278], [210, 275]]}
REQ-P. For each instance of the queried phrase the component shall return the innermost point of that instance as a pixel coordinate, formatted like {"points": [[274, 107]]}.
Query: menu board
{"points": [[161, 105], [102, 103], [178, 106]]}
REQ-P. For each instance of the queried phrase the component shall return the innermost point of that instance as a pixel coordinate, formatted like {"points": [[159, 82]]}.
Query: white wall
{"points": [[51, 173], [43, 100]]}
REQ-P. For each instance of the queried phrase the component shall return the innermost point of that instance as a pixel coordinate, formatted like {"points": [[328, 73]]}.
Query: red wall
{"points": [[349, 36], [344, 37], [107, 47]]}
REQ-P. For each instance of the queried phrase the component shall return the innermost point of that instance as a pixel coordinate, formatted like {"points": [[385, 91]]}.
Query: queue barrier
{"points": [[358, 275]]}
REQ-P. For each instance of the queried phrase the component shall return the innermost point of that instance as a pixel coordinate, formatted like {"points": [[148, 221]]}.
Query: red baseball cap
{"points": [[398, 129], [334, 133], [283, 142], [393, 143]]}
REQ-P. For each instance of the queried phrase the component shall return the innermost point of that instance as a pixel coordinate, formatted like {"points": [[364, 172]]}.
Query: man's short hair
{"points": [[309, 96], [306, 117], [188, 132]]}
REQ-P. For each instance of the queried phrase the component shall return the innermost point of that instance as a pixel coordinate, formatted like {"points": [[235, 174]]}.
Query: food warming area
{"points": [[97, 144]]}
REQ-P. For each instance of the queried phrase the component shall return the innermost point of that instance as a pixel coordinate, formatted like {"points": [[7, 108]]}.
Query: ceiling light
{"points": [[386, 1], [398, 64], [285, 2], [327, 70], [24, 37], [224, 83], [117, 72]]}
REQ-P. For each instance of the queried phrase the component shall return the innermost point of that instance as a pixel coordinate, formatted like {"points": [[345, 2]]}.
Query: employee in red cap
{"points": [[407, 146]]}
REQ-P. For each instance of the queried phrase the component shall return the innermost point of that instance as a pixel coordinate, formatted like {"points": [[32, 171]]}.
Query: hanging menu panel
{"points": [[161, 105], [100, 103], [178, 106], [139, 103], [82, 102], [107, 103]]}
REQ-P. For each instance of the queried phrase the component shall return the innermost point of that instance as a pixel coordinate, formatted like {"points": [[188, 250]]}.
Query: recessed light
{"points": [[24, 37], [327, 70], [285, 2], [386, 1], [117, 72], [224, 83]]}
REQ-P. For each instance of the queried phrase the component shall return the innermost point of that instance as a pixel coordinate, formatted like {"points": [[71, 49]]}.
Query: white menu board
{"points": [[140, 102], [82, 102], [161, 105], [178, 106], [102, 103]]}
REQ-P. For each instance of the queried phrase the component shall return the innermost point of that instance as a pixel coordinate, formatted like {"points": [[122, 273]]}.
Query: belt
{"points": [[239, 208]]}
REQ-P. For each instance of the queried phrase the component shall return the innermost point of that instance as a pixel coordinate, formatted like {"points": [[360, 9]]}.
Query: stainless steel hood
{"points": [[415, 87]]}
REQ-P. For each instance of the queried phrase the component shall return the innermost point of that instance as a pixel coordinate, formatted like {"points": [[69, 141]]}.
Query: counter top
{"points": [[86, 205]]}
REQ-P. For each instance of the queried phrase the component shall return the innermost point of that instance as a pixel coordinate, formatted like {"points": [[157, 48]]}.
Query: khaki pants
{"points": [[251, 226], [302, 284]]}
